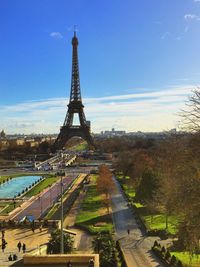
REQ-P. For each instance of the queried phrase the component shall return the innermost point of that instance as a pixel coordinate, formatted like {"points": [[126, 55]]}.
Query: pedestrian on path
{"points": [[24, 248], [10, 257], [14, 257], [69, 264], [128, 231], [3, 234], [91, 263], [19, 245], [3, 246]]}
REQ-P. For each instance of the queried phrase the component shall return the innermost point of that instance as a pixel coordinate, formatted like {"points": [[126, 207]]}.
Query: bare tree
{"points": [[191, 114]]}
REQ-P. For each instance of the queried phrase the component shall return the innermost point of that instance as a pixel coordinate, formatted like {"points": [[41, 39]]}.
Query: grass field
{"points": [[186, 259], [9, 206], [81, 146], [92, 215], [158, 223], [41, 186]]}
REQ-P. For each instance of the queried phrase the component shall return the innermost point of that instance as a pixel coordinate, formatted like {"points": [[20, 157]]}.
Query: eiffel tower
{"points": [[75, 106]]}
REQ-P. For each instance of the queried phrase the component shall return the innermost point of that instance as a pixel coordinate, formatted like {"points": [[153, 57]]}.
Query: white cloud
{"points": [[146, 111], [191, 17], [56, 35]]}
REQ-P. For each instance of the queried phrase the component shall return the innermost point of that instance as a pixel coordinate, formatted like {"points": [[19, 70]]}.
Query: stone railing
{"points": [[61, 259]]}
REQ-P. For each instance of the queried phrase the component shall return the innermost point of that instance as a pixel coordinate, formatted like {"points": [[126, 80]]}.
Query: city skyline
{"points": [[136, 74]]}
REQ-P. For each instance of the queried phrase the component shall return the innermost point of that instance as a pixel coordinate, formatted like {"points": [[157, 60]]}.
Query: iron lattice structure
{"points": [[75, 106]]}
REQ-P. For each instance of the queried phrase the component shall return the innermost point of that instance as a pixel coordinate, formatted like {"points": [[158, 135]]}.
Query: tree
{"points": [[104, 244], [124, 163], [170, 160], [44, 147], [191, 115], [147, 186], [179, 187], [105, 184], [53, 246]]}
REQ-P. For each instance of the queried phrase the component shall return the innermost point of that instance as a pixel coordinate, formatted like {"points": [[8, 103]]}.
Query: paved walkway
{"points": [[37, 205], [25, 235], [136, 246]]}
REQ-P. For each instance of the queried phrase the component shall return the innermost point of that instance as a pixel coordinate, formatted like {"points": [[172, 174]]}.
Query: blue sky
{"points": [[139, 60]]}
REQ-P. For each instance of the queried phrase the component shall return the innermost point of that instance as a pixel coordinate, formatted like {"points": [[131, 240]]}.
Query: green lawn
{"points": [[129, 190], [41, 186], [89, 216], [80, 147], [52, 211], [9, 207], [4, 177], [186, 259], [158, 222]]}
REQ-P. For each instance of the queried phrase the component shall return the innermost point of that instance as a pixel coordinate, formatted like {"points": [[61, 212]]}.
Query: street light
{"points": [[61, 174], [50, 195], [40, 200]]}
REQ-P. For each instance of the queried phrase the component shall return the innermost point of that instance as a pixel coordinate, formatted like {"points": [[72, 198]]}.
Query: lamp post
{"points": [[61, 225], [50, 195], [40, 201]]}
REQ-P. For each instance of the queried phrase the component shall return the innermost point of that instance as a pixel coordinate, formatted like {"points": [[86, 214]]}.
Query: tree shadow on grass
{"points": [[97, 224]]}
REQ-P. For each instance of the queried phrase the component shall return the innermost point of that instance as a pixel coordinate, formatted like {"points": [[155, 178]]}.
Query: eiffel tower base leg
{"points": [[67, 133]]}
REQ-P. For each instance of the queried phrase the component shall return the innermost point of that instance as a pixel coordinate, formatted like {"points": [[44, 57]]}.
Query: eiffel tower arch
{"points": [[75, 106]]}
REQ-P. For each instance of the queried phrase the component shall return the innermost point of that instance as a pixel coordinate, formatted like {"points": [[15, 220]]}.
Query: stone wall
{"points": [[64, 258]]}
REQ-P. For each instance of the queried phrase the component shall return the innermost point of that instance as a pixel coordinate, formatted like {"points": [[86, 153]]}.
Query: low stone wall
{"points": [[63, 258]]}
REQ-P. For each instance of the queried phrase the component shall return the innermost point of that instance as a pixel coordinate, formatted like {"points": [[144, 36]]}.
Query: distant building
{"points": [[2, 135], [113, 133], [4, 144]]}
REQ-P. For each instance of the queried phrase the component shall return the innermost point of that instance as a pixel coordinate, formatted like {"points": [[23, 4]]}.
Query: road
{"points": [[136, 246]]}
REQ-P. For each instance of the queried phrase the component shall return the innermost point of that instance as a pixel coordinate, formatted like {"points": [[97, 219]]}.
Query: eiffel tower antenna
{"points": [[75, 106], [75, 29]]}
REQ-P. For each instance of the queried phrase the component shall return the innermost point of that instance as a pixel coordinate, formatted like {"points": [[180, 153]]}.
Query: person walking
{"points": [[91, 263], [14, 257], [10, 257], [3, 246], [128, 231], [19, 245], [3, 234], [24, 248], [69, 264]]}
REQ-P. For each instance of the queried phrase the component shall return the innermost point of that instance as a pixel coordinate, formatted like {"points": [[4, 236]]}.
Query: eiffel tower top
{"points": [[75, 95]]}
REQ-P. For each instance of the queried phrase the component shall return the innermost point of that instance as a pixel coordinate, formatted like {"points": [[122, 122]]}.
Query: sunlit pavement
{"points": [[25, 235]]}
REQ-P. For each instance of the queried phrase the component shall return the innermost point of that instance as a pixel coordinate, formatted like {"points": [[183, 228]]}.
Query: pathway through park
{"points": [[135, 245], [83, 240]]}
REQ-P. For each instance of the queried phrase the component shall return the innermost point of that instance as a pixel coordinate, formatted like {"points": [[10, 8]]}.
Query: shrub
{"points": [[155, 243], [163, 250], [167, 255], [105, 246], [53, 246], [173, 261], [179, 264]]}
